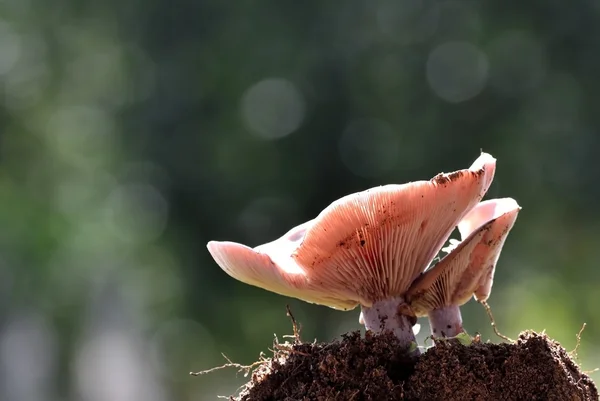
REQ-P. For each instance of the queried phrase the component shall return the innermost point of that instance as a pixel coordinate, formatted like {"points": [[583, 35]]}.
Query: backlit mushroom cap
{"points": [[469, 269], [506, 209], [364, 247], [270, 266]]}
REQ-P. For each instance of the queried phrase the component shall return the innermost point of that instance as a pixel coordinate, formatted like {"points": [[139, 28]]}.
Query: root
{"points": [[574, 354], [279, 351], [295, 326], [488, 310], [247, 369], [289, 348]]}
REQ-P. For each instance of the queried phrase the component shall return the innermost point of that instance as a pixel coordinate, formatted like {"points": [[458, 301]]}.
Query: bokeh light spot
{"points": [[111, 365], [369, 147], [81, 135], [137, 213], [27, 358], [273, 108], [10, 47], [459, 20], [518, 63], [408, 22], [180, 346], [554, 111], [74, 195], [26, 82], [457, 71], [266, 218]]}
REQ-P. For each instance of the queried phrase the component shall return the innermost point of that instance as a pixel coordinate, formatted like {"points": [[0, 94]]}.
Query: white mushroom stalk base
{"points": [[383, 315], [445, 322]]}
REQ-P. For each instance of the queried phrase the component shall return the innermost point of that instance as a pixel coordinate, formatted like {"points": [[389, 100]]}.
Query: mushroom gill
{"points": [[366, 248], [468, 269]]}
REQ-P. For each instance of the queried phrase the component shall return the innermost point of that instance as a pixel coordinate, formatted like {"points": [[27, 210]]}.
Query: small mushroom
{"points": [[466, 271], [365, 248]]}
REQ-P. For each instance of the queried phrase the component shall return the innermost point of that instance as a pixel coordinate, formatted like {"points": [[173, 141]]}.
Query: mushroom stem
{"points": [[446, 321], [383, 315]]}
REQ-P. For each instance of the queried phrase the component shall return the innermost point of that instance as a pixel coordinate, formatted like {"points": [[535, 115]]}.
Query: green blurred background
{"points": [[133, 132]]}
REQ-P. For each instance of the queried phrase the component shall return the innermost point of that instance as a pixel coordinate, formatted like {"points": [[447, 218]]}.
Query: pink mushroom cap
{"points": [[365, 247], [468, 270]]}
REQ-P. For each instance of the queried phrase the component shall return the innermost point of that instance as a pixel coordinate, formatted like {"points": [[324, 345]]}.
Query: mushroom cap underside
{"points": [[469, 269], [365, 246]]}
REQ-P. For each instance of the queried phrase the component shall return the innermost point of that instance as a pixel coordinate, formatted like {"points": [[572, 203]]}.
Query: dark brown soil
{"points": [[375, 368]]}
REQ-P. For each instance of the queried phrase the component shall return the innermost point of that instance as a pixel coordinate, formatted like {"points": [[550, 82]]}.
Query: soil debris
{"points": [[377, 368]]}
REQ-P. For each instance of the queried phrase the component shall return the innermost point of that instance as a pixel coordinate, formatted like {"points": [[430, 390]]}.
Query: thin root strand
{"points": [[289, 349], [578, 343], [241, 368], [295, 325], [488, 310], [574, 354]]}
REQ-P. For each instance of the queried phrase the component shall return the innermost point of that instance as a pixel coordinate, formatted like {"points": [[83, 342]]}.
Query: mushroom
{"points": [[467, 271], [365, 248]]}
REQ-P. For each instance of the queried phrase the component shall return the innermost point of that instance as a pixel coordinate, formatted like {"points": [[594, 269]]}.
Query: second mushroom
{"points": [[467, 270]]}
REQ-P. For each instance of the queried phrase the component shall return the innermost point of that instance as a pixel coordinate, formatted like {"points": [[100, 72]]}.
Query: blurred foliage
{"points": [[134, 132]]}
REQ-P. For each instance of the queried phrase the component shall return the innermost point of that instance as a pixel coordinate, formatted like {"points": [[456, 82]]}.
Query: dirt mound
{"points": [[376, 368]]}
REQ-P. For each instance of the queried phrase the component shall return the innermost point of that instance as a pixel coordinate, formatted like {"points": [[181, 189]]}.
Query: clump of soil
{"points": [[377, 368]]}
